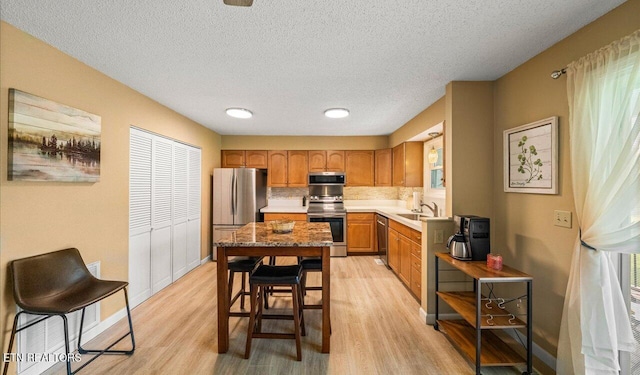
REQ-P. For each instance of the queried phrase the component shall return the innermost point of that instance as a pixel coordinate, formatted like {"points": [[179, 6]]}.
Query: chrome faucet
{"points": [[433, 209]]}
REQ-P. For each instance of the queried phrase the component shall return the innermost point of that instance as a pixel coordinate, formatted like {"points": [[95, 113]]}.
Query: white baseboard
{"points": [[540, 353], [205, 260]]}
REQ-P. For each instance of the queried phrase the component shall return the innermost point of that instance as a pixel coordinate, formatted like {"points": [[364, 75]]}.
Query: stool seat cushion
{"points": [[244, 264], [311, 264], [266, 274]]}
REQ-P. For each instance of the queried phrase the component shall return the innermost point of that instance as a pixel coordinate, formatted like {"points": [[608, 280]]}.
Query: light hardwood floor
{"points": [[376, 330]]}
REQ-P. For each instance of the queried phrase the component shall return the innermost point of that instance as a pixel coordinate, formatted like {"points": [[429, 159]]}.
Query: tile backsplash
{"points": [[286, 193], [363, 193]]}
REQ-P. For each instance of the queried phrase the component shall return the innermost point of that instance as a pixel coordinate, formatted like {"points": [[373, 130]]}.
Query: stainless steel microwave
{"points": [[327, 178]]}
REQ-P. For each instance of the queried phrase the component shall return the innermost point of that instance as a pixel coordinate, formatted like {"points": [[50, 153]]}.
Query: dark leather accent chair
{"points": [[59, 283]]}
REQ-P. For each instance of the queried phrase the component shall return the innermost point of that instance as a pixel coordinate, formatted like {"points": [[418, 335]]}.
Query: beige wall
{"points": [[244, 142], [432, 115], [522, 228], [42, 217], [469, 156]]}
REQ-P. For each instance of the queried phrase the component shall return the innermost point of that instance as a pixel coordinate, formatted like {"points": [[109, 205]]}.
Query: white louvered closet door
{"points": [[140, 148], [164, 212], [180, 207], [194, 208], [161, 206]]}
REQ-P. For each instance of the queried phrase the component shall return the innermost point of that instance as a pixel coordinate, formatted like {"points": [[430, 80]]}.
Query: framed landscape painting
{"points": [[49, 141], [531, 157]]}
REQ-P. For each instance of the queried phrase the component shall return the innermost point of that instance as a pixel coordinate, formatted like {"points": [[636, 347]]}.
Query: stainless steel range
{"points": [[326, 206]]}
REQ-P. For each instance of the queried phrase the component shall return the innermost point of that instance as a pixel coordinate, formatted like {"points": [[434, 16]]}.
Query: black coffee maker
{"points": [[476, 232]]}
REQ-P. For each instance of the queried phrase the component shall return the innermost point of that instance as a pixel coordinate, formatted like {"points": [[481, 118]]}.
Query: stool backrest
{"points": [[47, 275]]}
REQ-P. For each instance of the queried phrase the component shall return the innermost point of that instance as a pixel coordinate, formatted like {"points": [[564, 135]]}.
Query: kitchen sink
{"points": [[412, 216]]}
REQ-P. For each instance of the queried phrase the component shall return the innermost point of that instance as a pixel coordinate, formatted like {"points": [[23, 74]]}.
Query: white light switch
{"points": [[562, 218]]}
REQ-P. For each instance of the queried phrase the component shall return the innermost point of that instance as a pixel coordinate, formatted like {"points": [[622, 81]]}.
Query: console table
{"points": [[483, 313]]}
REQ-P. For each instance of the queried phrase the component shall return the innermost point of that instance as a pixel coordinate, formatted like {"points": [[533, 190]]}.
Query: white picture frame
{"points": [[531, 157]]}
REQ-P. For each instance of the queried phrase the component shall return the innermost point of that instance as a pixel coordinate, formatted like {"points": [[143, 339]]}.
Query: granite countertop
{"points": [[260, 235]]}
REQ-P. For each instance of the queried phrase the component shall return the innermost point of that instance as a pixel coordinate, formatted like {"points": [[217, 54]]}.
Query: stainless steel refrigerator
{"points": [[238, 196]]}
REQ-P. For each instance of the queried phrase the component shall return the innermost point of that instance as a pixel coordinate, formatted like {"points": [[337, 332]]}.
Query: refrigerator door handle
{"points": [[233, 194]]}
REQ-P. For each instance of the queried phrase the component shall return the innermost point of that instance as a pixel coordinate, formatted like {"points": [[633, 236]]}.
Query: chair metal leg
{"points": [[99, 352], [13, 335], [66, 343]]}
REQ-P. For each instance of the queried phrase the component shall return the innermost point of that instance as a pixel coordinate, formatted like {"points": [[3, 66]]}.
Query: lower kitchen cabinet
{"points": [[393, 249], [405, 256], [405, 260], [361, 227], [285, 216], [416, 269]]}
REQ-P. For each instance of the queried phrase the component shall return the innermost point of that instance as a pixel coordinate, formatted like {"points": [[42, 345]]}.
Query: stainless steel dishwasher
{"points": [[382, 223]]}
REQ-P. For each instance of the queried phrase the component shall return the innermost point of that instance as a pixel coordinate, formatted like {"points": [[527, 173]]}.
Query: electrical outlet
{"points": [[438, 236], [562, 218]]}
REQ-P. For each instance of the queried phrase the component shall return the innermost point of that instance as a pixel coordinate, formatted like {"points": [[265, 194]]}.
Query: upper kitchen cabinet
{"points": [[408, 164], [383, 167], [277, 165], [233, 158], [359, 168], [335, 161], [326, 161], [256, 159], [240, 159], [298, 168], [317, 161]]}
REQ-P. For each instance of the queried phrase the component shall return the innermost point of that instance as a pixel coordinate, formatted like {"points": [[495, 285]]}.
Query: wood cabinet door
{"points": [[383, 167], [277, 165], [298, 168], [256, 159], [232, 159], [405, 260], [413, 164], [416, 276], [317, 161], [335, 161], [398, 165], [285, 216], [359, 168], [361, 233], [394, 250]]}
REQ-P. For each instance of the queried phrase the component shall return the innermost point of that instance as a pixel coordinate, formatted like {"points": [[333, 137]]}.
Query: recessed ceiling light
{"points": [[239, 112], [336, 112]]}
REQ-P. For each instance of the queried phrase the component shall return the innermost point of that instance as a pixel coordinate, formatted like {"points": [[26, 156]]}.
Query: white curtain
{"points": [[604, 103]]}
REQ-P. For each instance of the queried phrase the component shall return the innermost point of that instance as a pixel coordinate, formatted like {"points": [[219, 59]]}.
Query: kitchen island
{"points": [[257, 239]]}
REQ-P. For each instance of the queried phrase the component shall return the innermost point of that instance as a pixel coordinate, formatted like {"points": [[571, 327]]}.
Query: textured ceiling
{"points": [[289, 60]]}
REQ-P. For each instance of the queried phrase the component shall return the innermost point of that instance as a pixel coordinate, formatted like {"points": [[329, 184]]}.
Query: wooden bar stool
{"points": [[263, 278], [310, 265], [244, 265]]}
